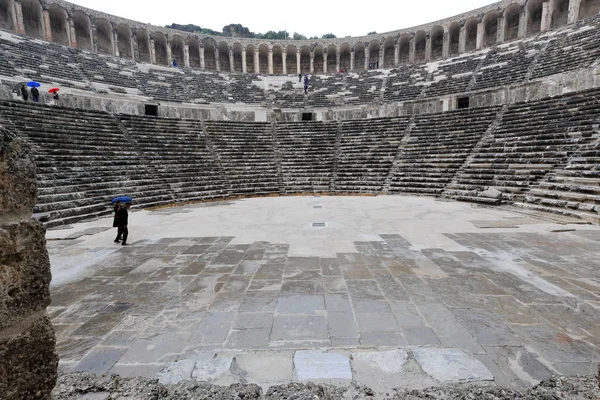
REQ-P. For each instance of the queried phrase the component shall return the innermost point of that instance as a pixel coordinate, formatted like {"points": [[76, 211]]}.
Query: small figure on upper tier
{"points": [[306, 84], [300, 77], [24, 93]]}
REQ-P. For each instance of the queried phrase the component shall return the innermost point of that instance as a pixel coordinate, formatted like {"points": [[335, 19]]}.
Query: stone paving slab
{"points": [[451, 365], [319, 366]]}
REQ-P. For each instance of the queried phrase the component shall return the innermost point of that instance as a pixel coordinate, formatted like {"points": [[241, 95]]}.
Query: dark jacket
{"points": [[116, 218], [24, 93], [35, 92], [123, 216]]}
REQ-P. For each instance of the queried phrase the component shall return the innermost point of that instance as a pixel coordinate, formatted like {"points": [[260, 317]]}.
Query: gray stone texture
{"points": [[28, 360]]}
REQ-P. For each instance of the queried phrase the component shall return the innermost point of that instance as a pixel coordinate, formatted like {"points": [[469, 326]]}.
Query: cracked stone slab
{"points": [[319, 366], [451, 365], [176, 372], [210, 368]]}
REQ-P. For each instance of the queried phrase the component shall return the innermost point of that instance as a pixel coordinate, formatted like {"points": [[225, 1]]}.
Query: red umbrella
{"points": [[53, 90]]}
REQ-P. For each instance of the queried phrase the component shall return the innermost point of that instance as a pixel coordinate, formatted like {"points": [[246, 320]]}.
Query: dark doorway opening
{"points": [[307, 117], [151, 110], [463, 102]]}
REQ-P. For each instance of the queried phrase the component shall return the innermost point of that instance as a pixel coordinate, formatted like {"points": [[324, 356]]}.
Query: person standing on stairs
{"points": [[24, 93], [306, 84], [123, 215], [35, 95], [116, 222]]}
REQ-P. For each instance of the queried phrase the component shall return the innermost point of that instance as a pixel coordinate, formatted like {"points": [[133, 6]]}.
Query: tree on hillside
{"points": [[237, 30], [329, 36], [372, 33], [298, 36]]}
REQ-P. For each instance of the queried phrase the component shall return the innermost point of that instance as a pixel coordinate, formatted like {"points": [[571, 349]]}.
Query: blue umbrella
{"points": [[122, 199], [34, 84]]}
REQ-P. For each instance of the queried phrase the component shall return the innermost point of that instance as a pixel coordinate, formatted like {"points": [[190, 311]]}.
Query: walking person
{"points": [[24, 93], [300, 77], [35, 94], [55, 97], [116, 222], [306, 84], [123, 221]]}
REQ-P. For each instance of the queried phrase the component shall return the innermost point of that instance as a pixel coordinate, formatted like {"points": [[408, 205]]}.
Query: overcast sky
{"points": [[308, 17]]}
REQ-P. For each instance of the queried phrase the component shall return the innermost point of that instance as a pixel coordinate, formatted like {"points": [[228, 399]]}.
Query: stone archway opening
{"points": [[177, 51], [277, 60], [318, 60], [7, 15], [59, 24], [143, 44], [332, 61], [105, 36], [404, 49], [359, 56], [471, 34], [194, 52], [345, 57], [224, 61], [490, 28], [237, 58], [389, 52], [534, 16], [210, 59], [437, 42], [374, 49], [124, 44], [454, 39], [83, 31], [420, 46], [512, 19], [32, 18], [263, 59], [305, 60], [160, 48], [250, 50], [589, 8], [560, 13], [291, 60]]}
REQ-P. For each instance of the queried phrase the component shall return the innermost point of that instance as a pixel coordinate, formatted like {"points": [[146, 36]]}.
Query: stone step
{"points": [[586, 216]]}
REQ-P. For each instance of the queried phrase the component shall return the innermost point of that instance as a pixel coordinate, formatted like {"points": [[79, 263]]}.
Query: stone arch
{"points": [[177, 52], [7, 15], [263, 59], [250, 50], [589, 8], [374, 48], [332, 61], [277, 60], [490, 28], [305, 60], [437, 42], [560, 13], [318, 59], [194, 51], [359, 56], [143, 44], [237, 57], [210, 59], [471, 34], [389, 52], [404, 49], [420, 45], [32, 18], [124, 43], [83, 30], [512, 19], [224, 61], [534, 16], [160, 48], [345, 56], [291, 60], [454, 38], [59, 24], [104, 30]]}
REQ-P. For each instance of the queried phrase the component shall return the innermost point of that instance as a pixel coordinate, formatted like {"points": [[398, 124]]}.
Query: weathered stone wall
{"points": [[28, 360]]}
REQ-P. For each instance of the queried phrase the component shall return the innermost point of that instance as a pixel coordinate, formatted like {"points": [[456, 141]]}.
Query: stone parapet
{"points": [[28, 360]]}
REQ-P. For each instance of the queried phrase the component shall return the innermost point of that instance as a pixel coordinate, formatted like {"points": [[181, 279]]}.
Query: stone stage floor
{"points": [[392, 292]]}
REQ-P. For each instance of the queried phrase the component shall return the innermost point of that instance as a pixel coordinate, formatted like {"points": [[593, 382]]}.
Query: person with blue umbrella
{"points": [[35, 93], [118, 202]]}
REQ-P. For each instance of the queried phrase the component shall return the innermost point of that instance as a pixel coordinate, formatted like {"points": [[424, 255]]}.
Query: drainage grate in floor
{"points": [[318, 207], [319, 224]]}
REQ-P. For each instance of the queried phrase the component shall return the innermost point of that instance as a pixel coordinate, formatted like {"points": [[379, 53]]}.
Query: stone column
{"points": [[412, 50], [428, 47], [135, 47], [396, 54], [312, 62], [231, 66], [381, 57], [256, 61], [186, 55], [244, 66], [18, 18], [325, 56], [298, 65], [523, 16], [202, 62], [152, 52], [270, 59], [501, 29], [284, 61], [574, 6], [27, 341], [115, 43], [367, 57], [46, 25], [338, 62], [169, 52], [480, 35], [217, 60], [352, 66], [72, 34], [462, 38], [446, 44], [546, 17]]}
